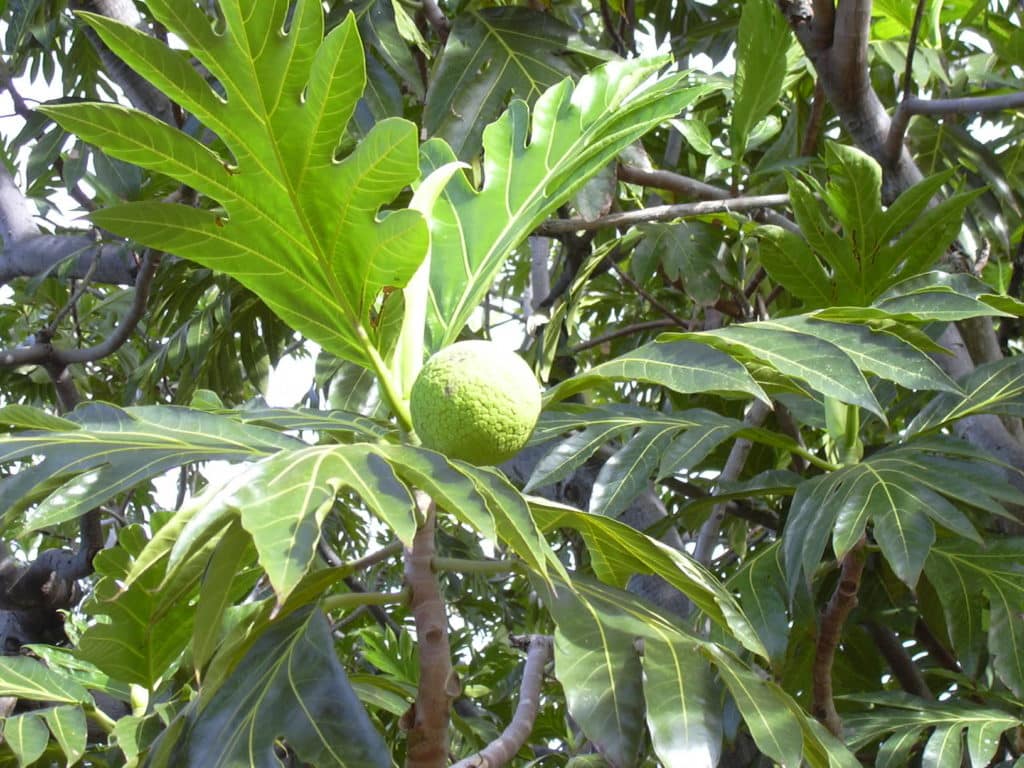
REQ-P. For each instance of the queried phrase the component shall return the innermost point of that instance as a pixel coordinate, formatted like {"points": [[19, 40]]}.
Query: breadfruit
{"points": [[476, 401]]}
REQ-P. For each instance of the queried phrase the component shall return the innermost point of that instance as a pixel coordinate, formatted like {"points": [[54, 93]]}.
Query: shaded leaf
{"points": [[967, 576], [68, 726], [288, 686], [27, 737], [683, 712], [146, 631], [760, 69], [492, 55], [618, 551], [996, 387]]}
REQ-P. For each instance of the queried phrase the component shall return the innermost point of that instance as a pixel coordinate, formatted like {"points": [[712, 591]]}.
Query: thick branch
{"points": [[661, 213], [44, 353], [912, 105], [427, 720], [37, 255], [501, 751], [436, 18], [903, 667], [16, 212], [843, 601], [836, 42]]}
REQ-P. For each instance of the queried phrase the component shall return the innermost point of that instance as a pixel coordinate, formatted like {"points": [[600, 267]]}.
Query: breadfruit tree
{"points": [[659, 383]]}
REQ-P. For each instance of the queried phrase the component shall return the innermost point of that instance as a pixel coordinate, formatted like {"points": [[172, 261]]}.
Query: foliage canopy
{"points": [[771, 513]]}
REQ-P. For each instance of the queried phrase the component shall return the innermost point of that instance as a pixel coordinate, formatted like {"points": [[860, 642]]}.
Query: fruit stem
{"points": [[392, 395]]}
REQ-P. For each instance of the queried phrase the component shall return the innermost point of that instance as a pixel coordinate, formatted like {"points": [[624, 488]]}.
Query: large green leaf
{"points": [[480, 497], [817, 361], [601, 677], [146, 631], [872, 247], [628, 471], [492, 54], [682, 366], [968, 576], [996, 387], [283, 500], [878, 352], [113, 450], [761, 586], [26, 735], [529, 169], [617, 552], [686, 723], [903, 491], [907, 717], [760, 69], [28, 678], [302, 230], [68, 726], [289, 686]]}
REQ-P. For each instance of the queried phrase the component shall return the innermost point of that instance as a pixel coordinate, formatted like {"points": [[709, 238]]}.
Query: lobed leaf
{"points": [[303, 231]]}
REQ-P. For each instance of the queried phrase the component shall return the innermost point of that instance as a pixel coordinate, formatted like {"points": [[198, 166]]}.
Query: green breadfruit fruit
{"points": [[475, 401]]}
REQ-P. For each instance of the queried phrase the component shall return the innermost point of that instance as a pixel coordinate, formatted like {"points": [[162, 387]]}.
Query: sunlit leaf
{"points": [[324, 255]]}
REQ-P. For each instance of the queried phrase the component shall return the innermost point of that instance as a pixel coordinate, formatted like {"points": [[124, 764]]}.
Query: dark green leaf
{"points": [[760, 69], [288, 686]]}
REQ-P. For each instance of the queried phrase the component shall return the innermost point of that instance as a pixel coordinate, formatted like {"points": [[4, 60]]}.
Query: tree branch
{"points": [[16, 212], [684, 185], [629, 330], [428, 718], [836, 42], [843, 601], [912, 105], [501, 751], [44, 353], [646, 295], [707, 539], [915, 30], [903, 667], [436, 18], [661, 213]]}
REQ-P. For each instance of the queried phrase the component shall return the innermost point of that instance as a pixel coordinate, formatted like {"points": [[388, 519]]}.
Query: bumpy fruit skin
{"points": [[475, 401]]}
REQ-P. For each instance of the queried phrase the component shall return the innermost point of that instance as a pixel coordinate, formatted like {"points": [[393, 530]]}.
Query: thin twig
{"points": [[684, 185], [501, 751], [809, 146], [646, 295], [76, 296], [629, 330], [939, 653], [908, 70], [843, 601], [661, 213], [44, 353]]}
